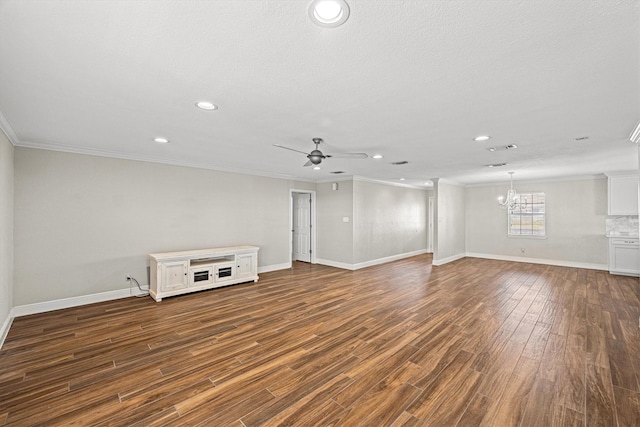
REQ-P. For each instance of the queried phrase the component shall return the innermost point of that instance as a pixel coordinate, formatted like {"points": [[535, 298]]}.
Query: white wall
{"points": [[388, 220], [6, 233], [335, 237], [575, 210], [449, 241], [82, 223]]}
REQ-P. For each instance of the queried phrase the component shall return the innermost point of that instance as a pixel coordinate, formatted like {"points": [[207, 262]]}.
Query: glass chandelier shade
{"points": [[512, 201]]}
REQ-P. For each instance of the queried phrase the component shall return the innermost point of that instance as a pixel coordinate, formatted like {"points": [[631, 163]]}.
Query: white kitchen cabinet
{"points": [[175, 273], [623, 194], [624, 256]]}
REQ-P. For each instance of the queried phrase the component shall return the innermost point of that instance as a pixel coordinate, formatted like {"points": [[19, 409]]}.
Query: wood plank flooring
{"points": [[471, 343]]}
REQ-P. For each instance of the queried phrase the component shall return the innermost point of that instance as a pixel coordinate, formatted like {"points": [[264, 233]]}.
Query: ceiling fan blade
{"points": [[348, 155], [308, 163], [291, 149]]}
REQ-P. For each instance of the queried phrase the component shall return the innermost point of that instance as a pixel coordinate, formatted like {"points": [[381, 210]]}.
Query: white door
{"points": [[302, 227]]}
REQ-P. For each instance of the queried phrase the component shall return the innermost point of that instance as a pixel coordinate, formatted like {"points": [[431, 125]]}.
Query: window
{"points": [[527, 219]]}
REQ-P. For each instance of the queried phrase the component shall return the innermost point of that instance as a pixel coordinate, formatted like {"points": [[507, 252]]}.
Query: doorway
{"points": [[302, 221]]}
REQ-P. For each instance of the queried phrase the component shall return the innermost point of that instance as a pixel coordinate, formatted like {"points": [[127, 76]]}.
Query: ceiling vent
{"points": [[337, 172], [497, 165], [402, 162]]}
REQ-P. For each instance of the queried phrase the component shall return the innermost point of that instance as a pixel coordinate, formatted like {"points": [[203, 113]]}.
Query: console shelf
{"points": [[176, 273]]}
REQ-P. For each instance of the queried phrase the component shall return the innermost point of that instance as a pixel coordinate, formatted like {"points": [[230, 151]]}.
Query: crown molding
{"points": [[7, 129], [150, 159], [393, 184], [542, 180]]}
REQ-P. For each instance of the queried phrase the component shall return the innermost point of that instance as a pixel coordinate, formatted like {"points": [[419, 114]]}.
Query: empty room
{"points": [[319, 212]]}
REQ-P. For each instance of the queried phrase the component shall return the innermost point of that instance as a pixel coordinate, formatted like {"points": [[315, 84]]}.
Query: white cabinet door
{"points": [[201, 276], [224, 272], [175, 275], [623, 194], [247, 266], [624, 257]]}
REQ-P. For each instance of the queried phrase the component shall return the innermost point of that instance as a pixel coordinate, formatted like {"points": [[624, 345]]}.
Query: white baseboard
{"points": [[447, 260], [274, 267], [41, 307], [559, 263], [336, 264], [370, 263], [388, 259], [5, 327]]}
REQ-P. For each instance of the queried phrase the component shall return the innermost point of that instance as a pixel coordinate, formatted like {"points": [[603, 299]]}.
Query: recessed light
{"points": [[329, 13], [428, 183], [316, 168], [161, 140], [377, 156], [481, 138], [492, 149], [402, 179], [206, 105]]}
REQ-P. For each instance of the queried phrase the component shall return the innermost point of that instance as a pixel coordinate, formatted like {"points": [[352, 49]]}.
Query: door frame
{"points": [[314, 239]]}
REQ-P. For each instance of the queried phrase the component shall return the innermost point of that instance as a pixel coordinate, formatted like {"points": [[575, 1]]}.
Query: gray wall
{"points": [[335, 237], [82, 223], [388, 220], [449, 241], [6, 228], [575, 212]]}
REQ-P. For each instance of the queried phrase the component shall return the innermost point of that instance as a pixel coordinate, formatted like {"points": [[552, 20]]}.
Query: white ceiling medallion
{"points": [[329, 13]]}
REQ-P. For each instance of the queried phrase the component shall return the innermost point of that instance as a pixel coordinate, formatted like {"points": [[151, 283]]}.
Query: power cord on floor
{"points": [[145, 292]]}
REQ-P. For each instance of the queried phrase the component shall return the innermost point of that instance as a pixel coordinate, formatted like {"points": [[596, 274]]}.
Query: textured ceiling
{"points": [[411, 80]]}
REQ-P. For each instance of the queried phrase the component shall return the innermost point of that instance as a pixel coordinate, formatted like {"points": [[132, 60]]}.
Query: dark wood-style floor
{"points": [[474, 342]]}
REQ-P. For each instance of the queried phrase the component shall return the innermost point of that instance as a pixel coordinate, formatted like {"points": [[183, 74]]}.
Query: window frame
{"points": [[532, 210]]}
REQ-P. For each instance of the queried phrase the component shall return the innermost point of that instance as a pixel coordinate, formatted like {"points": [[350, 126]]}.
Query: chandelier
{"points": [[512, 201]]}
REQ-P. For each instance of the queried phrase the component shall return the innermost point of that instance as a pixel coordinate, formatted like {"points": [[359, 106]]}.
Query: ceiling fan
{"points": [[316, 156]]}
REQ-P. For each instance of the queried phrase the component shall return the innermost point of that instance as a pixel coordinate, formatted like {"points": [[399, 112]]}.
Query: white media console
{"points": [[175, 273]]}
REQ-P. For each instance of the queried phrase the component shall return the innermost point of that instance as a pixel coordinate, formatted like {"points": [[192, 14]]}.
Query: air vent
{"points": [[581, 138], [402, 162], [337, 172], [497, 165], [506, 147]]}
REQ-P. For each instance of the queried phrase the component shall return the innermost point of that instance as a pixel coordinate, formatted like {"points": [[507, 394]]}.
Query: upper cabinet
{"points": [[623, 193]]}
